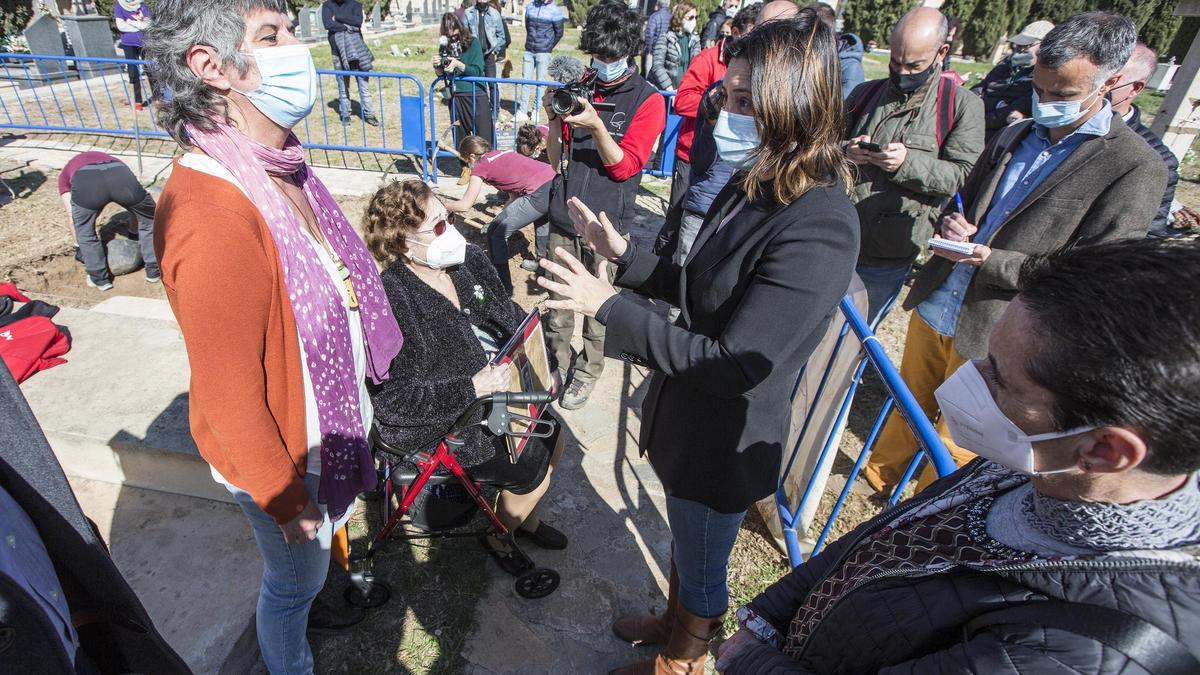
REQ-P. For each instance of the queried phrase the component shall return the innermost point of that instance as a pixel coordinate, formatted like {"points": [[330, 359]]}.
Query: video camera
{"points": [[446, 52], [568, 99]]}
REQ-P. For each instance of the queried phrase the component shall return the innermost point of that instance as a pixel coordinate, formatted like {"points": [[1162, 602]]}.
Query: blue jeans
{"points": [[533, 67], [530, 208], [883, 287], [293, 575], [365, 98], [702, 540]]}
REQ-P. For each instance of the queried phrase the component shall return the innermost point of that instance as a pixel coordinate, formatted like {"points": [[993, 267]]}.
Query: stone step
{"points": [[117, 411], [191, 561], [116, 415]]}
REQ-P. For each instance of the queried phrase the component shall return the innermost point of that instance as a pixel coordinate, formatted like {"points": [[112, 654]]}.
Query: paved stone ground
{"points": [[608, 501]]}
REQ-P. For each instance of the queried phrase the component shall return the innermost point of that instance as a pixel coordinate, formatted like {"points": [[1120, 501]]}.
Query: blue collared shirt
{"points": [[24, 560], [1033, 160]]}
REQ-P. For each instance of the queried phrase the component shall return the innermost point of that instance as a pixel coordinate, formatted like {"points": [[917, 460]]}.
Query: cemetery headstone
{"points": [[376, 17], [92, 38], [306, 29], [318, 28], [44, 39]]}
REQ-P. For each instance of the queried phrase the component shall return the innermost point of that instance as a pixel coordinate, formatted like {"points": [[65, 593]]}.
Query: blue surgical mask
{"points": [[609, 72], [1021, 60], [737, 139], [1058, 113], [288, 90]]}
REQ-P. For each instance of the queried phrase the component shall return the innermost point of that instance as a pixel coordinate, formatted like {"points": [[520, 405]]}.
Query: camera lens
{"points": [[564, 102]]}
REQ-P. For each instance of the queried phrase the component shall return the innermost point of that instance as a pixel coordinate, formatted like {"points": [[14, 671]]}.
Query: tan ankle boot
{"points": [[686, 650], [650, 629]]}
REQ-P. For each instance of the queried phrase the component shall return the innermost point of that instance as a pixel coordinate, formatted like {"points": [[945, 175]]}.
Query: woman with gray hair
{"points": [[279, 301]]}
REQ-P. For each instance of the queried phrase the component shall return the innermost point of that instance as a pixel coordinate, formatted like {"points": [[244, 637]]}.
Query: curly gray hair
{"points": [[179, 25]]}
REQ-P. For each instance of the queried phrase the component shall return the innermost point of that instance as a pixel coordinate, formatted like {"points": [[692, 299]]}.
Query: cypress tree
{"points": [[874, 19]]}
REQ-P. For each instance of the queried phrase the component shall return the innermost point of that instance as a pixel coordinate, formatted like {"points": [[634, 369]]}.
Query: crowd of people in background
{"points": [[1052, 332]]}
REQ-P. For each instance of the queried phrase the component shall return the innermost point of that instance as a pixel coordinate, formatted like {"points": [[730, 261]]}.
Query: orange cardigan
{"points": [[223, 280]]}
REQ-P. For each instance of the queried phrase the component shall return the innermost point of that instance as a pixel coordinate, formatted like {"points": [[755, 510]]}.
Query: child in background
{"points": [[525, 179]]}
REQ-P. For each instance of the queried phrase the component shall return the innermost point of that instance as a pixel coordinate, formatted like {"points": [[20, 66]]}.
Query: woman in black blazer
{"points": [[455, 314], [770, 263]]}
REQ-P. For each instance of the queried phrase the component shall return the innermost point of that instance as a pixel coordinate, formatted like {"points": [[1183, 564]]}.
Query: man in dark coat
{"points": [[343, 19], [1134, 77], [712, 29], [64, 606], [1007, 89]]}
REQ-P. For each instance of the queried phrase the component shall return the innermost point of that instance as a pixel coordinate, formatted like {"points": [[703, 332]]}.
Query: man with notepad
{"points": [[1075, 175]]}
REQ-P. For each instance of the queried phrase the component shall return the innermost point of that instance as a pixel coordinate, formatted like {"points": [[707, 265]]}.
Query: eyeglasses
{"points": [[439, 226]]}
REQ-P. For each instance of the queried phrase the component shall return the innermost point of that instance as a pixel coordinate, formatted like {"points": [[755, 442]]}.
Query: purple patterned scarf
{"points": [[346, 465]]}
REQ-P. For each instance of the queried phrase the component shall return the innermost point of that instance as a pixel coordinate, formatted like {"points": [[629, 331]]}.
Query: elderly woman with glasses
{"points": [[456, 315], [281, 307]]}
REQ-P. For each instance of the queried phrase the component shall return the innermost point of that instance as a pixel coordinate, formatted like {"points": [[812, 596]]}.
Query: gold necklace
{"points": [[323, 241]]}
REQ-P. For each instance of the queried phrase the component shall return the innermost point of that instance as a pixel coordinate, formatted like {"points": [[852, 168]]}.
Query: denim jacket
{"points": [[494, 23]]}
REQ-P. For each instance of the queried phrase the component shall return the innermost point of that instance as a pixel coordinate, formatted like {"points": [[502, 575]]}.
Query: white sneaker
{"points": [[521, 117], [103, 286]]}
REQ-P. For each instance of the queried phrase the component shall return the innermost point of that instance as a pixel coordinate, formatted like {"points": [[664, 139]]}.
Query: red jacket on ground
{"points": [[706, 68], [32, 344]]}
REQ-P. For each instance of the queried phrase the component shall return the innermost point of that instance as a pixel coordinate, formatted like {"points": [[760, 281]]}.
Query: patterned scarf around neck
{"points": [[346, 465]]}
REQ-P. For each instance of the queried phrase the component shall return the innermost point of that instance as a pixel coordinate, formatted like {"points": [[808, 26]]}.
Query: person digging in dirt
{"points": [[90, 182]]}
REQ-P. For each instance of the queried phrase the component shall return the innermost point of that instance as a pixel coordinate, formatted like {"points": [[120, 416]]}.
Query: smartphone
{"points": [[871, 147]]}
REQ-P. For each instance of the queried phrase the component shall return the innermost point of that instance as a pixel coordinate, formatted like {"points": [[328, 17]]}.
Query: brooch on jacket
{"points": [[479, 296]]}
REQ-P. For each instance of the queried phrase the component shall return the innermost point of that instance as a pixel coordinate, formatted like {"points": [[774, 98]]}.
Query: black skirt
{"points": [[529, 471]]}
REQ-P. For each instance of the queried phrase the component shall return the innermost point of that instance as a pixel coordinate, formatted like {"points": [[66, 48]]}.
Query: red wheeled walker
{"points": [[404, 475]]}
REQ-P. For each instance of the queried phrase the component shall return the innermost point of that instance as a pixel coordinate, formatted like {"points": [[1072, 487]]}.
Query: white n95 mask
{"points": [[446, 250], [977, 423]]}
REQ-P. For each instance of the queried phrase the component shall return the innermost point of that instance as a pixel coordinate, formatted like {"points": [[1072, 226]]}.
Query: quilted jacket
{"points": [[912, 622]]}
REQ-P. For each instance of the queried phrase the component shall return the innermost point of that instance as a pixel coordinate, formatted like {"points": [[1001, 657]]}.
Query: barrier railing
{"points": [[74, 95], [395, 101], [899, 398], [94, 96]]}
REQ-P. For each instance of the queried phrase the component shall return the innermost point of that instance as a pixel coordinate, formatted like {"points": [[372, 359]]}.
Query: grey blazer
{"points": [[1109, 188]]}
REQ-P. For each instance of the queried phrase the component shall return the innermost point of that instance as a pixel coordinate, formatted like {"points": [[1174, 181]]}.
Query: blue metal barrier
{"points": [[899, 397], [50, 97], [93, 96], [79, 95], [350, 133]]}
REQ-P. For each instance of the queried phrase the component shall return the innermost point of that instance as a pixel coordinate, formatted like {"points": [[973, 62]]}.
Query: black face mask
{"points": [[910, 82]]}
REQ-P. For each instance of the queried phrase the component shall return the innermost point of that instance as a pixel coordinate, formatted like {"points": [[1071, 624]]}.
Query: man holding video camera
{"points": [[602, 132]]}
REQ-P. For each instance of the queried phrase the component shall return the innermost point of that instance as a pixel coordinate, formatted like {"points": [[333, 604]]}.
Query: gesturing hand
{"points": [[579, 291], [303, 528], [597, 233]]}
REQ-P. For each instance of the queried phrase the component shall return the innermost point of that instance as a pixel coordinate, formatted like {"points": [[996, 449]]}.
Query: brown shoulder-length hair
{"points": [[449, 22], [677, 13], [796, 87], [396, 210]]}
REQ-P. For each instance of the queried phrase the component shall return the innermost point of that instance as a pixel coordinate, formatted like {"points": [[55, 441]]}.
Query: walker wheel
{"points": [[537, 583], [378, 595]]}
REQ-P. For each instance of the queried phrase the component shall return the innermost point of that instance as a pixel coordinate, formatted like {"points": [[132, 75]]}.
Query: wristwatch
{"points": [[758, 626]]}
